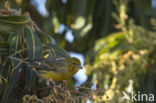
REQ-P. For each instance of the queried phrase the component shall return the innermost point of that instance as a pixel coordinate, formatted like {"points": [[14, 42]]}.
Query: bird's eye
{"points": [[74, 63]]}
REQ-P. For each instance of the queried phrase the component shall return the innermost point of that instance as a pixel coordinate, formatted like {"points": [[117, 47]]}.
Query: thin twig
{"points": [[14, 55]]}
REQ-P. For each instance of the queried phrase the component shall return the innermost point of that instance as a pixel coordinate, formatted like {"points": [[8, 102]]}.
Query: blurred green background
{"points": [[116, 37]]}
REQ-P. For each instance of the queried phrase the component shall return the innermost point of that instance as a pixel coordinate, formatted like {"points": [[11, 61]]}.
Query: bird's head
{"points": [[76, 63]]}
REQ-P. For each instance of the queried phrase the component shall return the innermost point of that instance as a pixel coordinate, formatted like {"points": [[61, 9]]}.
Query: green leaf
{"points": [[4, 35], [4, 47], [108, 47], [58, 51], [2, 84], [11, 23], [12, 83], [114, 37], [14, 43], [30, 77], [34, 44], [44, 37], [14, 77]]}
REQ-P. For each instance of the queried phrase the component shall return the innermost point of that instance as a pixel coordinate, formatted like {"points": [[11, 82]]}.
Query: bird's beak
{"points": [[79, 66]]}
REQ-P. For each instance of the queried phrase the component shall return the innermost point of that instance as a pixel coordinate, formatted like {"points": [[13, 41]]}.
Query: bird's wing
{"points": [[55, 65]]}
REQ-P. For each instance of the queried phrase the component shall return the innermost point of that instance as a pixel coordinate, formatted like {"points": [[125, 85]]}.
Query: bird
{"points": [[57, 69]]}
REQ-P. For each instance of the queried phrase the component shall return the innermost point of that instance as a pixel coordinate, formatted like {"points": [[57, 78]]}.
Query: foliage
{"points": [[122, 59], [119, 64]]}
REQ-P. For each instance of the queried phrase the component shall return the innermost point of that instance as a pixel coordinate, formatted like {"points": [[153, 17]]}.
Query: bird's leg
{"points": [[48, 83], [65, 82], [52, 81]]}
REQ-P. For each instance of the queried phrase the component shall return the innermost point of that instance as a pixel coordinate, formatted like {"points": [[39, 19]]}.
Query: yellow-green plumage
{"points": [[56, 69]]}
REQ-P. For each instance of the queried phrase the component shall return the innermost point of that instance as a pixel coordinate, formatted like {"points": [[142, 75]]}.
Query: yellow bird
{"points": [[56, 69]]}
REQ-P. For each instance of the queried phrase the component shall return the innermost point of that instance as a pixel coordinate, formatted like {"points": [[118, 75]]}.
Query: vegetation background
{"points": [[116, 37]]}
